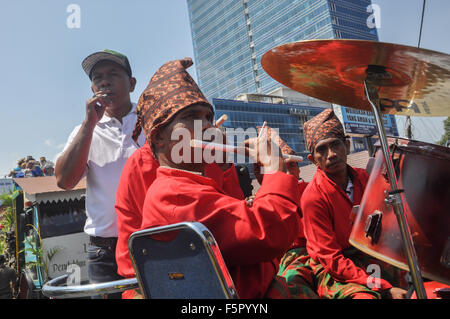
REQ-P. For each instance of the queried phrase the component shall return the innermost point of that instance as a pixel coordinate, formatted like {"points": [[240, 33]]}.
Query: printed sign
{"points": [[363, 122], [63, 251]]}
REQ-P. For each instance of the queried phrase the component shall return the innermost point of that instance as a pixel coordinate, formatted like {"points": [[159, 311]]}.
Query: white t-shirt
{"points": [[111, 146]]}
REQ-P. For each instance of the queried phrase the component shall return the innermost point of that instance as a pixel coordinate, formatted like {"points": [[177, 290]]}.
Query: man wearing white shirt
{"points": [[98, 149]]}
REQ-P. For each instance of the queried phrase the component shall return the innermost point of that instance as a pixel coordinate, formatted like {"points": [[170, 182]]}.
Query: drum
{"points": [[423, 173]]}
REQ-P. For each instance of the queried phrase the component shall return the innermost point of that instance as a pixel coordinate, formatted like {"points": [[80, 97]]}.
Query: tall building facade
{"points": [[231, 36], [246, 114], [288, 114]]}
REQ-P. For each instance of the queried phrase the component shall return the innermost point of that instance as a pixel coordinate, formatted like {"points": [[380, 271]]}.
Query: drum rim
{"points": [[417, 147]]}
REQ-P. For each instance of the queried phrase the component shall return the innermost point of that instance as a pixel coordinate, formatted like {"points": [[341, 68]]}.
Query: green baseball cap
{"points": [[89, 63]]}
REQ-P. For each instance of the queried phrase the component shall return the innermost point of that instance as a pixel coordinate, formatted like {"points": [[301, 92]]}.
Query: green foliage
{"points": [[7, 206], [2, 243], [446, 135], [7, 218], [36, 249], [6, 198]]}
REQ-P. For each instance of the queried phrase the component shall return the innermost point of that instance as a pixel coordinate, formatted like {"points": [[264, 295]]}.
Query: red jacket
{"points": [[250, 238], [327, 224], [300, 241], [138, 174]]}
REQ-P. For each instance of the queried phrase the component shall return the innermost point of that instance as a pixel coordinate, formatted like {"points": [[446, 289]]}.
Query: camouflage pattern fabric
{"points": [[307, 279], [298, 275], [329, 288], [278, 289]]}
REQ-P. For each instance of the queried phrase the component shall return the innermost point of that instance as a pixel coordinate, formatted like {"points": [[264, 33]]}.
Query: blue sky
{"points": [[43, 88]]}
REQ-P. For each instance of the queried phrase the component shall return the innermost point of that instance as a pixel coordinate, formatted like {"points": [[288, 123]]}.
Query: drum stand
{"points": [[376, 75]]}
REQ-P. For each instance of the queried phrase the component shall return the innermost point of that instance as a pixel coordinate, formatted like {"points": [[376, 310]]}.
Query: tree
{"points": [[446, 136], [7, 210], [7, 220]]}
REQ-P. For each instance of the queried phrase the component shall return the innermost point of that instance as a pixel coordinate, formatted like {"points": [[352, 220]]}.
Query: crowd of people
{"points": [[290, 240], [29, 167]]}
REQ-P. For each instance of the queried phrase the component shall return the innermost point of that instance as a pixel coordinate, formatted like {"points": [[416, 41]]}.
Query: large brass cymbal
{"points": [[417, 82]]}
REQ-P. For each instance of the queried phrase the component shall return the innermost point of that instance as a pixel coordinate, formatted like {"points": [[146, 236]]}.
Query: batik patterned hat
{"points": [[170, 90], [322, 126]]}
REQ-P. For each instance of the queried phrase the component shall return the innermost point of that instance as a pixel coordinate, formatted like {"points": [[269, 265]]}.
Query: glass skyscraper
{"points": [[230, 37], [247, 115], [288, 117]]}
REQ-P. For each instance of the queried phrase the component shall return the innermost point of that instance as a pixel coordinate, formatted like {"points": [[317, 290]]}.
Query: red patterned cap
{"points": [[322, 126], [170, 90], [285, 149]]}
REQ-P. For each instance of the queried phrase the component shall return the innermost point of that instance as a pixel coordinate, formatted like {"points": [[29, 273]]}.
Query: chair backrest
{"points": [[180, 261]]}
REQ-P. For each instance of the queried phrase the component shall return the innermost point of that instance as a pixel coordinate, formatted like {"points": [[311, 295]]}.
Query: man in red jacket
{"points": [[298, 278], [250, 238], [138, 174], [327, 204]]}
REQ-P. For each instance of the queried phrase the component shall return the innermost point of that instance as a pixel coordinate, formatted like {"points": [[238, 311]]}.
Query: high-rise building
{"points": [[230, 36], [281, 113], [287, 112]]}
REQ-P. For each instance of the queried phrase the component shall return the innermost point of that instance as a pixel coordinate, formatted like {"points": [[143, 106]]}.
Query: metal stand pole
{"points": [[397, 201], [369, 143]]}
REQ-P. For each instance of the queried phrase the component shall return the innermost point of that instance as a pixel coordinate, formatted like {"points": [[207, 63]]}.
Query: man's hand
{"points": [[96, 106], [395, 293], [72, 163], [266, 152]]}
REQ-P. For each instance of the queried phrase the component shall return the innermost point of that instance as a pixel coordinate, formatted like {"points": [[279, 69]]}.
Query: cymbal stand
{"points": [[376, 75]]}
